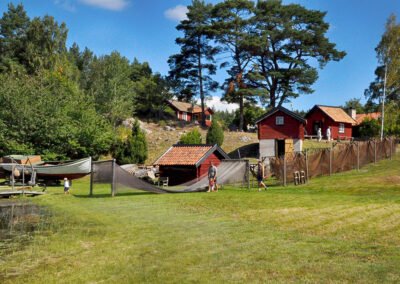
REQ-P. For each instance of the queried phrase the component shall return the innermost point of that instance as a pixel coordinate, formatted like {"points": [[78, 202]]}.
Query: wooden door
{"points": [[289, 147]]}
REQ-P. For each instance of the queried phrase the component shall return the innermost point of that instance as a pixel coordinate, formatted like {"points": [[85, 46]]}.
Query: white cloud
{"points": [[114, 5], [219, 105], [66, 5], [177, 13]]}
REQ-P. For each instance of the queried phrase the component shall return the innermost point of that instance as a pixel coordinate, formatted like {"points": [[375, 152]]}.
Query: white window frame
{"points": [[184, 116], [178, 114], [208, 117], [341, 128], [279, 120]]}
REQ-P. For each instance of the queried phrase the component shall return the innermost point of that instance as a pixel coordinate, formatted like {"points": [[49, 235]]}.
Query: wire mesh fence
{"points": [[328, 161], [230, 172]]}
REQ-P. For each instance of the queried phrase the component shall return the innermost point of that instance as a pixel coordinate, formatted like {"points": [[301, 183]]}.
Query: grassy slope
{"points": [[158, 144], [343, 228]]}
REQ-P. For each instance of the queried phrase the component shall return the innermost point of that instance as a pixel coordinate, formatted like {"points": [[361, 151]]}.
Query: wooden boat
{"points": [[51, 171]]}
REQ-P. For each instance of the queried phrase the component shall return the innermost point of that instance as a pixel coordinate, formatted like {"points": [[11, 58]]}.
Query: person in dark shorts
{"points": [[212, 176], [66, 186], [261, 175]]}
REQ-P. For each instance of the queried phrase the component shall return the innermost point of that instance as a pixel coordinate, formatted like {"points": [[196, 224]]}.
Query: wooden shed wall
{"points": [[292, 128]]}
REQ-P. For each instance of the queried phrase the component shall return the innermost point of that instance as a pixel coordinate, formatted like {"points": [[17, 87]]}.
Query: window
{"points": [[184, 116], [279, 120], [208, 118], [341, 127], [177, 114]]}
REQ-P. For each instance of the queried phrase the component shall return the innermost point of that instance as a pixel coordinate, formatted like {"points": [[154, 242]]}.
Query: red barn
{"points": [[324, 116], [183, 163], [190, 112], [280, 131]]}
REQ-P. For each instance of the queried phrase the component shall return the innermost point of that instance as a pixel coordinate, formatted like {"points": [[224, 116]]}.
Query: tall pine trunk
{"points": [[203, 115], [241, 107]]}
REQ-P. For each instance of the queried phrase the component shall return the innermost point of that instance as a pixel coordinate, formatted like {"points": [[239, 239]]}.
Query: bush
{"points": [[215, 134], [192, 137], [134, 149], [369, 127], [162, 123]]}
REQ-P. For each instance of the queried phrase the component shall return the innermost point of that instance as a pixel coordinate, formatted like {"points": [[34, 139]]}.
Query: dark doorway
{"points": [[280, 147], [316, 124]]}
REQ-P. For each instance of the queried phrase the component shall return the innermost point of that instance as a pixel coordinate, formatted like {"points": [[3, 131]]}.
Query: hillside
{"points": [[159, 139]]}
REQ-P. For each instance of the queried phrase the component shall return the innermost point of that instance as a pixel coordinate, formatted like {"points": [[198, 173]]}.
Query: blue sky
{"points": [[145, 29]]}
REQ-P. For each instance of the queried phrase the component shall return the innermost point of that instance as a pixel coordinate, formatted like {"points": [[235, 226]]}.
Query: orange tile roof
{"points": [[337, 114], [183, 155], [361, 116], [186, 107]]}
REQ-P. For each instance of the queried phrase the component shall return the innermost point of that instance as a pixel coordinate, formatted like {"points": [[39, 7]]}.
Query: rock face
{"points": [[128, 123], [245, 139]]}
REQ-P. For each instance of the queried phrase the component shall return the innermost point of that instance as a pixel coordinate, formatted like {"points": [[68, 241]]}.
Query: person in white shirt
{"points": [[328, 133], [66, 186], [319, 134]]}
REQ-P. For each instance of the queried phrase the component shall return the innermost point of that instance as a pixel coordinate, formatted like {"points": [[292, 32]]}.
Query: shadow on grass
{"points": [[108, 195]]}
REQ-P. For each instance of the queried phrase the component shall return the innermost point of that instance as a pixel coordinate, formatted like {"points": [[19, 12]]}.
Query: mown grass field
{"points": [[344, 228]]}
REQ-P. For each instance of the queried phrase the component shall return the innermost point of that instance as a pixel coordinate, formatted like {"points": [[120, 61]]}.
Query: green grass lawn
{"points": [[344, 228]]}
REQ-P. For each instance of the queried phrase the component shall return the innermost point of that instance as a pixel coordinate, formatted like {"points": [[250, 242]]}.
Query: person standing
{"points": [[212, 177], [66, 186], [261, 175], [328, 133], [319, 134]]}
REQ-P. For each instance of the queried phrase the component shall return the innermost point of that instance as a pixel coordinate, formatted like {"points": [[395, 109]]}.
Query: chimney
{"points": [[352, 112]]}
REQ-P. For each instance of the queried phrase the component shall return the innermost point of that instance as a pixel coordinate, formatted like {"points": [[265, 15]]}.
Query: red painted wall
{"points": [[203, 168], [318, 115], [292, 129]]}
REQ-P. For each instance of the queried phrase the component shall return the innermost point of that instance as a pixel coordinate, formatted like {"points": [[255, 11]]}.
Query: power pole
{"points": [[383, 101]]}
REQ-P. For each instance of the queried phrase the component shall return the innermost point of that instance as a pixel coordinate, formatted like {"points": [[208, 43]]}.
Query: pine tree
{"points": [[192, 68], [215, 134]]}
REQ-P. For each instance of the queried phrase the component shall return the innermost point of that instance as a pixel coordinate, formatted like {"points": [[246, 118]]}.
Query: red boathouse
{"points": [[280, 132], [183, 163], [324, 116]]}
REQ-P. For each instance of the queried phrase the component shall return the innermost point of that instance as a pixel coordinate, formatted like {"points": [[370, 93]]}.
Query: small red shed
{"points": [[324, 116], [190, 112], [280, 131], [183, 163]]}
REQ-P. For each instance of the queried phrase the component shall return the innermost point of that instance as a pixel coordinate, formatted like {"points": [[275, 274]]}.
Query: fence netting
{"points": [[341, 158], [108, 172]]}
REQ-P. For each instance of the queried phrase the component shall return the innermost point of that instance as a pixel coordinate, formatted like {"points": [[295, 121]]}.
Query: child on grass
{"points": [[66, 186], [211, 185]]}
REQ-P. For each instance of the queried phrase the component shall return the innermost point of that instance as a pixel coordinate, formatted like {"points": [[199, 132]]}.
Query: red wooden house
{"points": [[183, 163], [190, 112], [324, 116], [280, 131]]}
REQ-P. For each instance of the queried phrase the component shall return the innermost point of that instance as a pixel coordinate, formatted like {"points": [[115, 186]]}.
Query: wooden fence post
{"points": [[306, 166], [374, 151], [330, 161], [248, 174], [391, 147], [284, 170], [91, 178], [358, 156], [113, 178]]}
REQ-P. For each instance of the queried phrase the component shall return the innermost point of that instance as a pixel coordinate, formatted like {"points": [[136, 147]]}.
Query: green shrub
{"points": [[215, 134], [369, 127], [162, 123], [192, 137], [132, 150]]}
